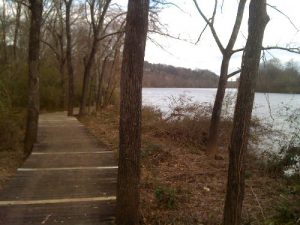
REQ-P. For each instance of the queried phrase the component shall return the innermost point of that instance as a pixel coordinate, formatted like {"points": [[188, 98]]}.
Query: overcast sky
{"points": [[187, 23]]}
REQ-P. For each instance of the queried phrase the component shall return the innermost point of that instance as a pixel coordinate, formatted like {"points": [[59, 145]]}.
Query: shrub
{"points": [[11, 122], [288, 210], [150, 149], [166, 197], [186, 122]]}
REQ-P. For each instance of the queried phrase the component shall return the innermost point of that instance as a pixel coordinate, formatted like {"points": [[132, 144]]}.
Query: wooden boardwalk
{"points": [[70, 178]]}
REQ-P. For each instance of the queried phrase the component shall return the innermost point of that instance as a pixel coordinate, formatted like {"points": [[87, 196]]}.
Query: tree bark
{"points": [[258, 20], [212, 144], [130, 113], [69, 59], [36, 8]]}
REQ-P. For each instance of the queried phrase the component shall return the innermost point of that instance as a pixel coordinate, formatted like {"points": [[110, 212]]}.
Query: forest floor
{"points": [[180, 184]]}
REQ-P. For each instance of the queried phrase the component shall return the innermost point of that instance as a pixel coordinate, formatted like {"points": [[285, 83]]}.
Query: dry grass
{"points": [[9, 162], [180, 184], [11, 144]]}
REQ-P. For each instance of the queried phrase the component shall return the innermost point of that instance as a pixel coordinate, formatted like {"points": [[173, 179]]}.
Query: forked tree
{"points": [[36, 10], [130, 113], [227, 53], [258, 20]]}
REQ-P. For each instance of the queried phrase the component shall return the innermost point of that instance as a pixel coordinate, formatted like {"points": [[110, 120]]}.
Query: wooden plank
{"points": [[69, 179], [85, 213], [71, 160]]}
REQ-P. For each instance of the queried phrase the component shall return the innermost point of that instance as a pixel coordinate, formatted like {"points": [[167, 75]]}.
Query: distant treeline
{"points": [[160, 75], [277, 78], [274, 77]]}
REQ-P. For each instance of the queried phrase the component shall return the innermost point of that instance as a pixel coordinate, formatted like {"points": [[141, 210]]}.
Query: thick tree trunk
{"points": [[130, 113], [258, 20], [36, 8], [217, 109], [69, 59]]}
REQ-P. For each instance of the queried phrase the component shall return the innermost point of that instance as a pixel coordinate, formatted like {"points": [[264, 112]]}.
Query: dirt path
{"points": [[70, 178]]}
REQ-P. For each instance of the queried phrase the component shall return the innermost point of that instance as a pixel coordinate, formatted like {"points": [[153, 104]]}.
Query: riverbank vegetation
{"points": [[198, 163], [182, 185]]}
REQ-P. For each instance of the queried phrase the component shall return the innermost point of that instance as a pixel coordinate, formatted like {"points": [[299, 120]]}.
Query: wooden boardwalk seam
{"points": [[70, 178]]}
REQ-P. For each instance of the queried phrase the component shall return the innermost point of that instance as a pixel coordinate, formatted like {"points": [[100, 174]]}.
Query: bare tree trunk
{"points": [[97, 29], [87, 78], [227, 53], [69, 59], [258, 20], [62, 80], [130, 113], [99, 92], [61, 47], [36, 8], [115, 72], [110, 79], [4, 27], [17, 27], [217, 109]]}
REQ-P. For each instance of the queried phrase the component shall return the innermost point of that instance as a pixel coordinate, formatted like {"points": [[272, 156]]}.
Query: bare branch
{"points": [[110, 34], [222, 5], [168, 35], [113, 20], [160, 46], [286, 16], [233, 73], [212, 19], [292, 50], [237, 50], [209, 22], [202, 32], [51, 47], [25, 4], [164, 3], [237, 25], [295, 50]]}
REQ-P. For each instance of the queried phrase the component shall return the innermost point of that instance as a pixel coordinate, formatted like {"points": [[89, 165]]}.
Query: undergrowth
{"points": [[180, 185]]}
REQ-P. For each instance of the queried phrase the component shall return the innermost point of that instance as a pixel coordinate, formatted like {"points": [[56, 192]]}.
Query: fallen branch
{"points": [[258, 203]]}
